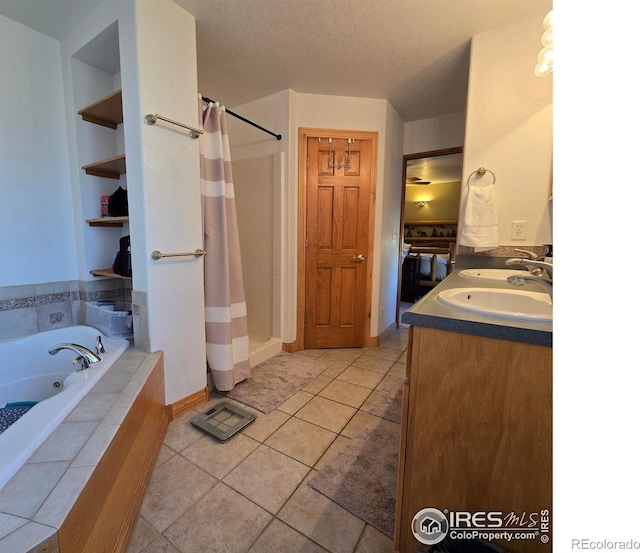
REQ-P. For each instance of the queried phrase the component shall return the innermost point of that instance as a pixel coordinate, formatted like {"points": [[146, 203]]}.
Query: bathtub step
{"points": [[12, 412]]}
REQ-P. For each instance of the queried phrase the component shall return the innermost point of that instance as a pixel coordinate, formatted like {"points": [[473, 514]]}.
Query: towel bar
{"points": [[155, 254]]}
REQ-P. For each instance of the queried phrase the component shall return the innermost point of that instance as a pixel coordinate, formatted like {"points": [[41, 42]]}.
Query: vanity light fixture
{"points": [[545, 57], [422, 203]]}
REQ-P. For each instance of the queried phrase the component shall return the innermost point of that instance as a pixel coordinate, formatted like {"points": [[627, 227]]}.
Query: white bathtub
{"points": [[29, 373]]}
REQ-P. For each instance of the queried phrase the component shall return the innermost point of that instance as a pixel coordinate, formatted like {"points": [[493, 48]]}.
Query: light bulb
{"points": [[547, 38], [543, 69], [546, 55], [547, 23]]}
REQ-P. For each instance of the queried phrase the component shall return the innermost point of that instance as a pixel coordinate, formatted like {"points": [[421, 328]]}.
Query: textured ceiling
{"points": [[412, 52]]}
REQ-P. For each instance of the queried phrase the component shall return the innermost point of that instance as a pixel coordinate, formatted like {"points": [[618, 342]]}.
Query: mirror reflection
{"points": [[429, 221]]}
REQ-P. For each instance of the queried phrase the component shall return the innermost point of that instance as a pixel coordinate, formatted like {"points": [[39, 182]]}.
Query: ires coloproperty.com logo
{"points": [[430, 526]]}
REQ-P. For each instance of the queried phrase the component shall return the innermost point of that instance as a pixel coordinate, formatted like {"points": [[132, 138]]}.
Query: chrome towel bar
{"points": [[155, 254], [151, 119]]}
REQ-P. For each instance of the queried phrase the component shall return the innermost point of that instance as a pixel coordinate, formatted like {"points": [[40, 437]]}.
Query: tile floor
{"points": [[250, 495]]}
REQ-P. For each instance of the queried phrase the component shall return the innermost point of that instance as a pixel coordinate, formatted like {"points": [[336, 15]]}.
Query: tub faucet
{"points": [[99, 346], [85, 356], [518, 280]]}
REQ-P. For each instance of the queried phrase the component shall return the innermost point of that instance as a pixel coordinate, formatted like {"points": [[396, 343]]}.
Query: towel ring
{"points": [[481, 171]]}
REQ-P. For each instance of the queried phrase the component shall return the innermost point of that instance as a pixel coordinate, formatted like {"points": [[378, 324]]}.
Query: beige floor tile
{"points": [[143, 534], [322, 520], [326, 413], [345, 392], [317, 384], [374, 541], [301, 440], [160, 545], [295, 402], [267, 477], [173, 488], [222, 520], [164, 454], [218, 458], [361, 377], [315, 353], [373, 363], [334, 449], [383, 352], [265, 425], [342, 355], [280, 538], [358, 422], [181, 433], [334, 369], [398, 369]]}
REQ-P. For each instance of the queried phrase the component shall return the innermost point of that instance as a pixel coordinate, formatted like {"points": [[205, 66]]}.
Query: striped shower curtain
{"points": [[225, 306]]}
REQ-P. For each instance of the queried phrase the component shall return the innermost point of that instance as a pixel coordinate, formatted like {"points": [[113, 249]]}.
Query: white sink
{"points": [[492, 274], [509, 304]]}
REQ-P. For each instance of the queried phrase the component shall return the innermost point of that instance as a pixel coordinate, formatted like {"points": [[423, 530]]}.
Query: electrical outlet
{"points": [[518, 230]]}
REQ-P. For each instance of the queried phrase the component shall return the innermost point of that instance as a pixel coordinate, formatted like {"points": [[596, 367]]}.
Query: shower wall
{"points": [[257, 183]]}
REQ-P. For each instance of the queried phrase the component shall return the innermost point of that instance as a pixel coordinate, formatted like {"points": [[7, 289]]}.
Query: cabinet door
{"points": [[478, 430]]}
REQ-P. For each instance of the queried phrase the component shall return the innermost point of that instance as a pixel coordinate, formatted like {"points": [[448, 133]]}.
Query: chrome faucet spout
{"points": [[518, 280], [78, 349], [536, 268]]}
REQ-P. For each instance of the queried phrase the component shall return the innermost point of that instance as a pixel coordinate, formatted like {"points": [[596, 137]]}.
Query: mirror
{"points": [[428, 219]]}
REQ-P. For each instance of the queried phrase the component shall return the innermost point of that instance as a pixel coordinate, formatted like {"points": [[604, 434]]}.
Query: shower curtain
{"points": [[226, 328]]}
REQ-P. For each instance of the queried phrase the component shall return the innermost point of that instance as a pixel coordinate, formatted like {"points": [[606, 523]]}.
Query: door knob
{"points": [[359, 258]]}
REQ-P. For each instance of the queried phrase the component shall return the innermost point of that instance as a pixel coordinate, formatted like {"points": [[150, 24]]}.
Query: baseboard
{"points": [[183, 405], [290, 347]]}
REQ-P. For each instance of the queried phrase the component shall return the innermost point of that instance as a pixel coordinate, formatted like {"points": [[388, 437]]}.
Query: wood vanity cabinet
{"points": [[476, 431]]}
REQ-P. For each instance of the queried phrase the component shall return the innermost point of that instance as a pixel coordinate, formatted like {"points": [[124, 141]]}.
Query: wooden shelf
{"points": [[107, 221], [110, 168], [431, 223], [426, 239], [107, 273], [106, 112]]}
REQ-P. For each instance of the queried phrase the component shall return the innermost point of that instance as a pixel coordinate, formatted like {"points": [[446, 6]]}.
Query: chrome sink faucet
{"points": [[535, 267], [518, 280], [85, 355]]}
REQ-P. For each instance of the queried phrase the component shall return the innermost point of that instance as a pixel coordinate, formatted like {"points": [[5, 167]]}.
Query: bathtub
{"points": [[29, 373]]}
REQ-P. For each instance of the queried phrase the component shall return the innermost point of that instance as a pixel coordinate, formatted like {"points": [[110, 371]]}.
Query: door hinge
{"points": [[305, 318], [307, 163]]}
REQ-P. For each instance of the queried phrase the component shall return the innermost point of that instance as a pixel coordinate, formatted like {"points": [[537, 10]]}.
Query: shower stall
{"points": [[258, 184]]}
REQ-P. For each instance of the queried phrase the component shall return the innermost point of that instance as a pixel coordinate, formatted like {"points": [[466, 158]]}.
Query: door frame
{"points": [[305, 133]]}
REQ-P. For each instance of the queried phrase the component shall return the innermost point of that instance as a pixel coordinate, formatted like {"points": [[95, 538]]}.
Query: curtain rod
{"points": [[278, 136]]}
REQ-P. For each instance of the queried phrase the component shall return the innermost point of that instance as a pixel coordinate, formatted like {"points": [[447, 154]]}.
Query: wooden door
{"points": [[338, 256]]}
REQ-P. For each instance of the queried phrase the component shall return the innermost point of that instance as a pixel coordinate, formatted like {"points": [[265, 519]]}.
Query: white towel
{"points": [[480, 220]]}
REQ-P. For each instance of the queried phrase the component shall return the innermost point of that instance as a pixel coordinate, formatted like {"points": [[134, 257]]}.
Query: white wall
{"points": [[435, 133], [363, 114], [169, 171], [37, 241], [509, 126], [163, 173]]}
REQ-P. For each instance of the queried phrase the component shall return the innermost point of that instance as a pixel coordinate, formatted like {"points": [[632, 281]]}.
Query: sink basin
{"points": [[509, 304], [492, 274]]}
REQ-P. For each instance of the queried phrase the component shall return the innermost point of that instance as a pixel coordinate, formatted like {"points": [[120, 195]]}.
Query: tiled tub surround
{"points": [[84, 485], [31, 308]]}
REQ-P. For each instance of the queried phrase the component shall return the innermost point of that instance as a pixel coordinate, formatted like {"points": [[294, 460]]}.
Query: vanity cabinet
{"points": [[106, 112], [476, 432]]}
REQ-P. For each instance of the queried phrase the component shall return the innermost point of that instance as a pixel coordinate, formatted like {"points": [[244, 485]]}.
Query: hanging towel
{"points": [[480, 220]]}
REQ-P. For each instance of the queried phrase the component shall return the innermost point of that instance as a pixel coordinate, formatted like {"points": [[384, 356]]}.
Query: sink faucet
{"points": [[518, 280], [536, 268], [85, 356]]}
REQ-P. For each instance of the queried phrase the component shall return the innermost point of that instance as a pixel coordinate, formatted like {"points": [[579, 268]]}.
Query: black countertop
{"points": [[429, 312]]}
